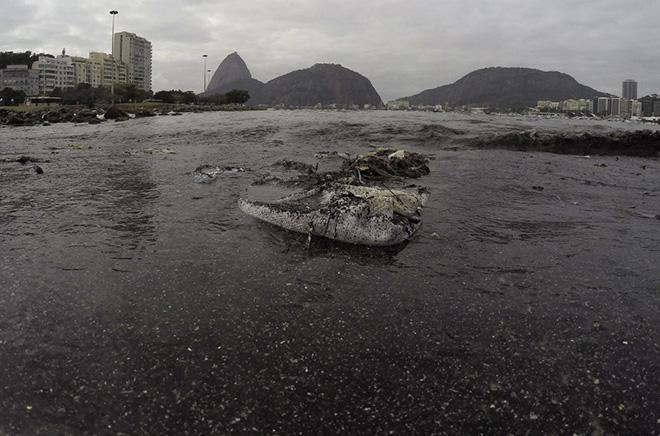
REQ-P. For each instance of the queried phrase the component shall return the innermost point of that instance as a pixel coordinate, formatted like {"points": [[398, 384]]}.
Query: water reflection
{"points": [[285, 241], [125, 199]]}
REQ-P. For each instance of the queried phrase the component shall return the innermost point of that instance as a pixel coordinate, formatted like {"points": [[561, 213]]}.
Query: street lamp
{"points": [[114, 64], [204, 57]]}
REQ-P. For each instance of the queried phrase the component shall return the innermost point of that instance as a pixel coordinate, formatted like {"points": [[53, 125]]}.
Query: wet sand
{"points": [[133, 300]]}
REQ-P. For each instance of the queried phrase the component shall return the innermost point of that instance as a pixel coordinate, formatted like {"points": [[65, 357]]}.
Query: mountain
{"points": [[322, 83], [503, 88], [233, 73]]}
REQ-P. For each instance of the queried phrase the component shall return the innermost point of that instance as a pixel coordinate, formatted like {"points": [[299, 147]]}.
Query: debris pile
{"points": [[387, 164], [342, 204], [351, 214]]}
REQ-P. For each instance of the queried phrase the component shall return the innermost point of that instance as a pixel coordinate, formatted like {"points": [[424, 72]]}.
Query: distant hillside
{"points": [[503, 88], [322, 83]]}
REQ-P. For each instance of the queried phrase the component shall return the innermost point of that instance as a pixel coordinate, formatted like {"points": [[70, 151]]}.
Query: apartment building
{"points": [[135, 52]]}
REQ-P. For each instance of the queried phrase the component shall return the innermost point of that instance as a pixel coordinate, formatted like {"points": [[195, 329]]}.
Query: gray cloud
{"points": [[403, 47]]}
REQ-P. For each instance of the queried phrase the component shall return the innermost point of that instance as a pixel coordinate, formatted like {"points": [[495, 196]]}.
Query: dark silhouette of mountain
{"points": [[233, 73], [231, 69], [322, 83], [506, 88]]}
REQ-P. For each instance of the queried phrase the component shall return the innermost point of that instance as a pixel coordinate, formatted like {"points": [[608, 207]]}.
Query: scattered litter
{"points": [[159, 150], [332, 154], [208, 173], [384, 164], [76, 146]]}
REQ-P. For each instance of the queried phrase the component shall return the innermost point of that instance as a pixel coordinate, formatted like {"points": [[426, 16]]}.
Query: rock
{"points": [[25, 159], [52, 117], [85, 116], [143, 113], [38, 169], [113, 113], [642, 143]]}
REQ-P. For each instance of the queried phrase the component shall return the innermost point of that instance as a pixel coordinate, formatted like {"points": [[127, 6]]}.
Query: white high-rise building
{"points": [[104, 70], [135, 52], [54, 73]]}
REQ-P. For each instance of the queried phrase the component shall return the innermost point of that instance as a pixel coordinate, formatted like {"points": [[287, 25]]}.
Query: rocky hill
{"points": [[323, 83], [506, 88], [233, 73]]}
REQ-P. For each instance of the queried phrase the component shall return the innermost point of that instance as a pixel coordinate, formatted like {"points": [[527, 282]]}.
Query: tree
{"points": [[176, 96], [164, 96], [237, 96], [19, 58], [12, 97]]}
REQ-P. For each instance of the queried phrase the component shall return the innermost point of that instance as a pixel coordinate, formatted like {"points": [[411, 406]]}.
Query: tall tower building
{"points": [[135, 52], [629, 90]]}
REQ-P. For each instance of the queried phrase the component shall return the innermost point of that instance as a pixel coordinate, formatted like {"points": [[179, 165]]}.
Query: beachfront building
{"points": [[573, 105], [615, 106], [650, 105], [547, 106], [602, 106], [54, 73], [629, 90], [135, 52], [104, 69], [395, 105], [20, 78], [81, 69]]}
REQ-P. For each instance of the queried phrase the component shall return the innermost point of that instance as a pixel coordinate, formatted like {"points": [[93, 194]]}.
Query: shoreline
{"points": [[26, 116]]}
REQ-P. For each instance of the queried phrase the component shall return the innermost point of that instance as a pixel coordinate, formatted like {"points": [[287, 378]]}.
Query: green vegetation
{"points": [[87, 95], [19, 58], [176, 96], [11, 98], [235, 96]]}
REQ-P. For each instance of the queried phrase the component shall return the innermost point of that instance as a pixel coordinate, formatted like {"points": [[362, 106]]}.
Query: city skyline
{"points": [[403, 49]]}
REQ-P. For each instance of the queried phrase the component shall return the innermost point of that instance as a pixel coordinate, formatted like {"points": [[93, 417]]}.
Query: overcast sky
{"points": [[403, 46]]}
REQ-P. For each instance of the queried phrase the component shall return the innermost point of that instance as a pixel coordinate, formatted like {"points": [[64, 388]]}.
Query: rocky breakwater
{"points": [[48, 116], [641, 143], [60, 115], [77, 114]]}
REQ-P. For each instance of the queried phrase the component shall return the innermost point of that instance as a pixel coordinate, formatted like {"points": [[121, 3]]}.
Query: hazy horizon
{"points": [[402, 48]]}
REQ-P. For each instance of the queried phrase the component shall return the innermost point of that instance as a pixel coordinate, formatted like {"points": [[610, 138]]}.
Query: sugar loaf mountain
{"points": [[325, 84], [506, 88]]}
